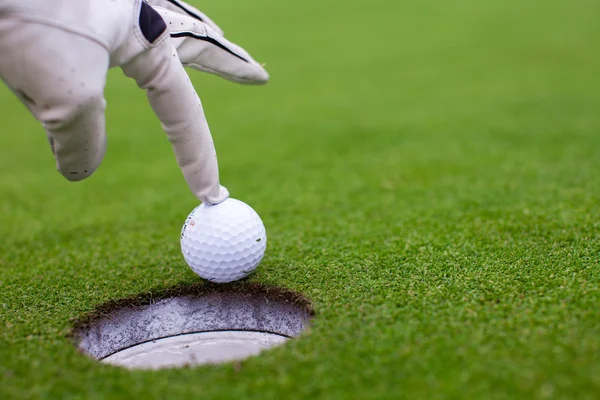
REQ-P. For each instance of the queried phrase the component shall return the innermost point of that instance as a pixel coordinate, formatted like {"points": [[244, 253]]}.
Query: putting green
{"points": [[428, 174]]}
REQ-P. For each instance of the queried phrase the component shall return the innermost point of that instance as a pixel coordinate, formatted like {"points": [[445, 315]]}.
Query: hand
{"points": [[56, 60]]}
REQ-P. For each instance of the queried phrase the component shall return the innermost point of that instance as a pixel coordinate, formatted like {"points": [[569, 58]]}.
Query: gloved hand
{"points": [[55, 56]]}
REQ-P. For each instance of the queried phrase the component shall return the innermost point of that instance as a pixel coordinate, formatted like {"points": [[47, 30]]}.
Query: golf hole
{"points": [[192, 326]]}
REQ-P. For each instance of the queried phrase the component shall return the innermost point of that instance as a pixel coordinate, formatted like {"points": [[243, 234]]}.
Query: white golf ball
{"points": [[224, 242]]}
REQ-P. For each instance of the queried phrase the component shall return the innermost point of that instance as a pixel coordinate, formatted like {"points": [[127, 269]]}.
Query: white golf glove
{"points": [[200, 44], [55, 56]]}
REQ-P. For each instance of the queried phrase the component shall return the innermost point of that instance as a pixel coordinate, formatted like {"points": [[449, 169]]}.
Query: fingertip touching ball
{"points": [[224, 242]]}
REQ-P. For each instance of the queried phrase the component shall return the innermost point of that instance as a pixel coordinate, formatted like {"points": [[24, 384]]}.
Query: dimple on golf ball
{"points": [[224, 242]]}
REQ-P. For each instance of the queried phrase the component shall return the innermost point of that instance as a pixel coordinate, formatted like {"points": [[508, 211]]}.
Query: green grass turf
{"points": [[428, 173]]}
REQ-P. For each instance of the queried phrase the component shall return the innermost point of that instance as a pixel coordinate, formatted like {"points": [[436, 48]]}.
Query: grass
{"points": [[428, 175]]}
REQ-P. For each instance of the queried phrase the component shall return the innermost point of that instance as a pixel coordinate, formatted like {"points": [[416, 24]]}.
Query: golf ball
{"points": [[224, 242]]}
